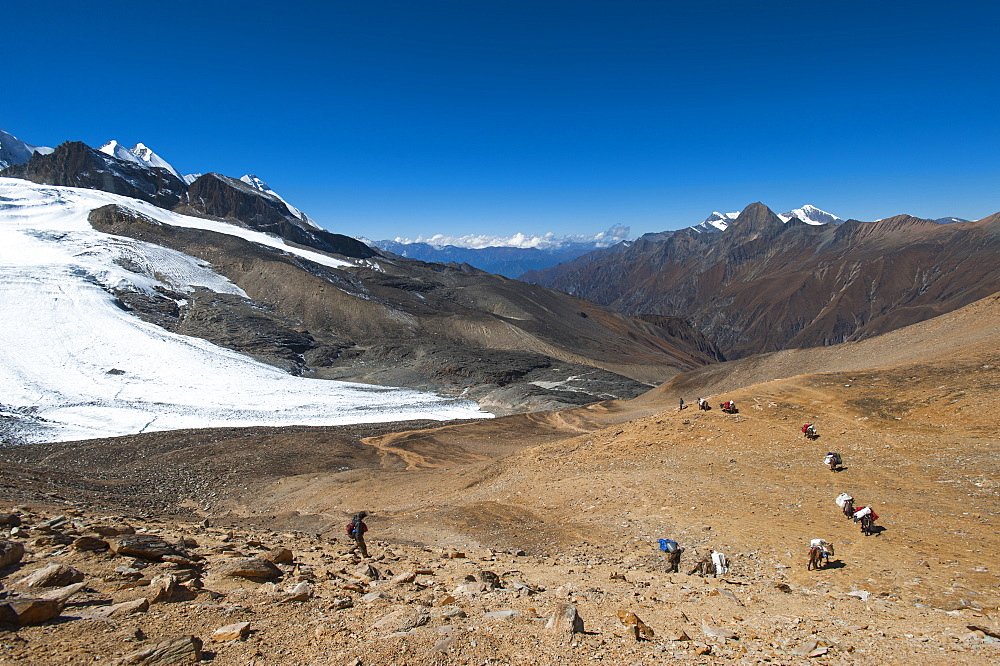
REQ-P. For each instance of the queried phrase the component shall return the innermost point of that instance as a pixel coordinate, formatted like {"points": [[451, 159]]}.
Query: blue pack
{"points": [[669, 546]]}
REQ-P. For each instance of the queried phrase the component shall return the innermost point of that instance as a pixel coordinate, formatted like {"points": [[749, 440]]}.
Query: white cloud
{"points": [[547, 241]]}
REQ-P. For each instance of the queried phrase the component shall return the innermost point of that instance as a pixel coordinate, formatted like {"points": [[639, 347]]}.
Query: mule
{"points": [[820, 553], [704, 566], [849, 508], [867, 525]]}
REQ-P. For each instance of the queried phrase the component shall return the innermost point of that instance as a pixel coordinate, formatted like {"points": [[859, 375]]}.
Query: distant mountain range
{"points": [[311, 302], [762, 282], [502, 260], [513, 261]]}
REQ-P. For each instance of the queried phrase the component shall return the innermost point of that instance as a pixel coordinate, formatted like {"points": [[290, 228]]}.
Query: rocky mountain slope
{"points": [[532, 538], [377, 318], [765, 284]]}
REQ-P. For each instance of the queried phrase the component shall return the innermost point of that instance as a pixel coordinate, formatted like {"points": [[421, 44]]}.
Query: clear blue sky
{"points": [[384, 118]]}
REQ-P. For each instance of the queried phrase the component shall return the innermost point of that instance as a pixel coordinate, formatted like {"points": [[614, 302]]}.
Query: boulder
{"points": [[182, 650], [473, 588], [254, 569], [279, 556], [10, 519], [121, 610], [54, 575], [810, 648], [62, 594], [300, 592], [11, 552], [144, 547], [91, 543], [488, 578], [117, 529], [161, 588], [232, 632], [447, 612], [52, 524], [565, 620], [401, 619], [640, 629], [716, 632], [367, 572], [403, 578], [22, 611]]}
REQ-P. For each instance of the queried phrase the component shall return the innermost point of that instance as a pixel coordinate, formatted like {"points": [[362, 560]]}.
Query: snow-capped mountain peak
{"points": [[259, 185], [14, 151], [140, 153], [810, 215], [716, 222], [116, 149], [147, 156]]}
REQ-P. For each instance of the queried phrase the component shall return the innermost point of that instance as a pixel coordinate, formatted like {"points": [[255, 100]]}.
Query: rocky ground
{"points": [[532, 538]]}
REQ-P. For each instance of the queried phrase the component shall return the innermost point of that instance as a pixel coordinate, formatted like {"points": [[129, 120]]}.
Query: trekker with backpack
{"points": [[673, 551], [356, 530]]}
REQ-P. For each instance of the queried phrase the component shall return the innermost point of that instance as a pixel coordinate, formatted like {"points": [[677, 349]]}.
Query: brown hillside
{"points": [[585, 493], [764, 285]]}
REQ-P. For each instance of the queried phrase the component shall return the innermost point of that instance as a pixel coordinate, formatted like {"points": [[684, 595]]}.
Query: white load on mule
{"points": [[842, 499], [720, 562]]}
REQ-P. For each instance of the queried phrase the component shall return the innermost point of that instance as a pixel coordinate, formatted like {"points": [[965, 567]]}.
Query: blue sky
{"points": [[384, 118]]}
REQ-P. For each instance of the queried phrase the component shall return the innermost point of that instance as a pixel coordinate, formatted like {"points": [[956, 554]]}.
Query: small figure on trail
{"points": [[729, 407], [846, 504], [711, 563], [833, 461], [673, 551], [682, 405], [703, 404], [356, 530], [809, 430], [867, 517], [820, 552]]}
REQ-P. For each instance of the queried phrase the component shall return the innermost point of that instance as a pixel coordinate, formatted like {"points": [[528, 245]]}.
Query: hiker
{"points": [[832, 460], [356, 530], [682, 405], [673, 551]]}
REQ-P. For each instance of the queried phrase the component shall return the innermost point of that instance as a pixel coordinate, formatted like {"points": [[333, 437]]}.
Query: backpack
{"points": [[350, 529], [669, 546]]}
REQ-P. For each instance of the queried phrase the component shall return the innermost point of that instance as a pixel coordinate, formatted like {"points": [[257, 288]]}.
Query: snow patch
{"points": [[73, 365]]}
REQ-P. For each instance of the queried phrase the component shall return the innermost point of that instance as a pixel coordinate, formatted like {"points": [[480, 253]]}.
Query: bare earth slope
{"points": [[584, 494]]}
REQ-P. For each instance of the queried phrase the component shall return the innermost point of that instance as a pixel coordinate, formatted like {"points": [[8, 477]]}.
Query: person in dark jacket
{"points": [[356, 530]]}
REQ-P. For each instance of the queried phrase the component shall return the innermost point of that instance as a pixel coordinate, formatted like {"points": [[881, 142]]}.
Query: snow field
{"points": [[74, 365]]}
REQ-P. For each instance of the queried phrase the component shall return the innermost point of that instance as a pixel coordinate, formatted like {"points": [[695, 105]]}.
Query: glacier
{"points": [[74, 365]]}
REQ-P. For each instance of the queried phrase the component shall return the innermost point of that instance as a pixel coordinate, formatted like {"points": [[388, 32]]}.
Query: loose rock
{"points": [[565, 620], [183, 650]]}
